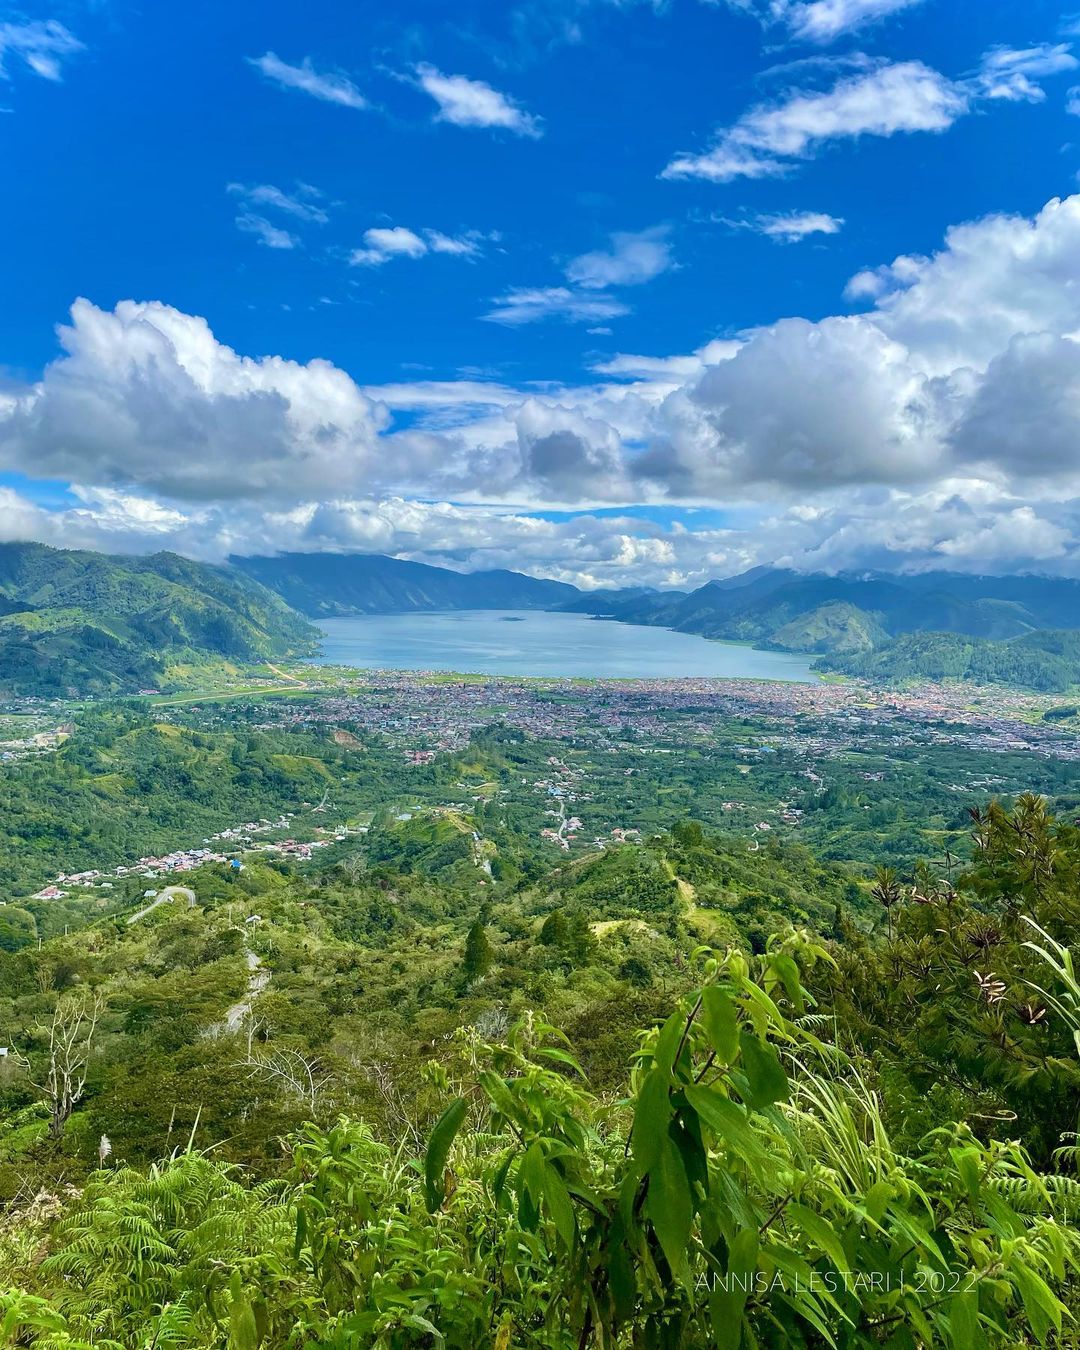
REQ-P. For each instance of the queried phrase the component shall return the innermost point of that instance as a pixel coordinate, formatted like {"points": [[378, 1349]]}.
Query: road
{"points": [[163, 898], [284, 675]]}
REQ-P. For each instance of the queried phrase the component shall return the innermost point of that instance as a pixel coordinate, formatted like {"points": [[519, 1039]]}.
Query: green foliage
{"points": [[729, 1200], [952, 1002], [478, 954], [861, 1139]]}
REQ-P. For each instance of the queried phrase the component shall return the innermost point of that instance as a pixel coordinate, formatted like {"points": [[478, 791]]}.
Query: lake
{"points": [[534, 642]]}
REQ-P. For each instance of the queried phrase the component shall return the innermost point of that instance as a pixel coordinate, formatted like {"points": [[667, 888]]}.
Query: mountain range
{"points": [[791, 611], [333, 585], [91, 623]]}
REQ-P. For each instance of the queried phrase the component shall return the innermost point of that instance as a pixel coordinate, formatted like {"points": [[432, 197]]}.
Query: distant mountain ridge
{"points": [[330, 585], [792, 611]]}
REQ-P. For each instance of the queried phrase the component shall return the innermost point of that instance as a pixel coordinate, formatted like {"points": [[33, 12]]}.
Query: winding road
{"points": [[169, 893]]}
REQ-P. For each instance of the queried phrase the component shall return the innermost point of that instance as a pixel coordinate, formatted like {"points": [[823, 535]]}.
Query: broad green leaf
{"points": [[560, 1057], [729, 1121], [560, 1206], [721, 1023], [652, 1113], [531, 1172], [243, 1334], [764, 1072], [964, 1320], [788, 972], [621, 1279], [670, 1207], [967, 1165], [1042, 1307], [877, 1200], [667, 1044], [728, 1300], [438, 1150], [821, 1233]]}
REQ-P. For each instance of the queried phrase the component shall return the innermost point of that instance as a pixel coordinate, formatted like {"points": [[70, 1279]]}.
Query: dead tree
{"points": [[71, 1038], [297, 1075]]}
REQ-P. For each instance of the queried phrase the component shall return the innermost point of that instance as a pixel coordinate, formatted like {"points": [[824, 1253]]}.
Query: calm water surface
{"points": [[532, 642]]}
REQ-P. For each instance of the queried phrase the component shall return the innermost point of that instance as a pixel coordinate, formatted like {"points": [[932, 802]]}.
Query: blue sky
{"points": [[603, 290]]}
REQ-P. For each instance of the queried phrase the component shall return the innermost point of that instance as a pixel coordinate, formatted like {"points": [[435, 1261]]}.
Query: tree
{"points": [[71, 1036], [478, 952]]}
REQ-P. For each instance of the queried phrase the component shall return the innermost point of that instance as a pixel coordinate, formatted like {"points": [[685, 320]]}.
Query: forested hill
{"points": [[336, 584], [92, 623], [815, 612], [1046, 661]]}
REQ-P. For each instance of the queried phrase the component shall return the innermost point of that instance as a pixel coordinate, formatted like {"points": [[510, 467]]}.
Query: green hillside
{"points": [[319, 1108], [835, 627], [82, 623], [1045, 661]]}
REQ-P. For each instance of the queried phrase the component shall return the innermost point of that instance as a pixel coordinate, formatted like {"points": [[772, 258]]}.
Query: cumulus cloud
{"points": [[41, 46], [631, 260], [771, 138], [938, 426], [329, 86], [472, 103], [804, 405], [146, 395], [397, 241]]}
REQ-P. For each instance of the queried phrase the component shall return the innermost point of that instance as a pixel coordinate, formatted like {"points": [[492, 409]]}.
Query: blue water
{"points": [[532, 642]]}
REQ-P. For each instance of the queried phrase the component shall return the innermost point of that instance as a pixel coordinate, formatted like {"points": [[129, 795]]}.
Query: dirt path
{"points": [[258, 979]]}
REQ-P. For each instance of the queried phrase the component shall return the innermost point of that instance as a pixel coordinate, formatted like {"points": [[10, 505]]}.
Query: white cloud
{"points": [[380, 245], [472, 103], [384, 243], [522, 305], [632, 260], [769, 139], [1072, 101], [146, 395], [1009, 73], [938, 427], [329, 86], [266, 233], [674, 370], [822, 21], [794, 226], [764, 142], [41, 46], [465, 246], [303, 204]]}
